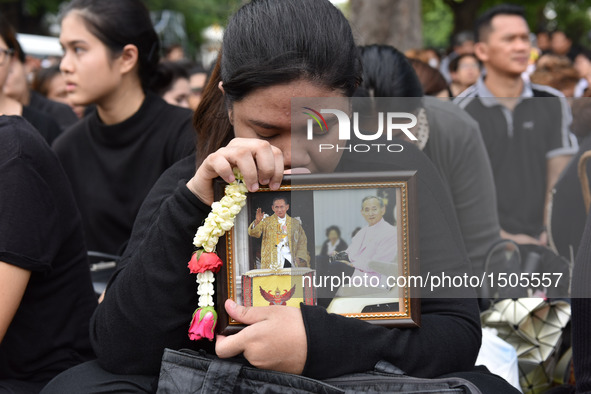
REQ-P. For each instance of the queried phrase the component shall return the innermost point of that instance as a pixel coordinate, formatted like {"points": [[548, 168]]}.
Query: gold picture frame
{"points": [[377, 261]]}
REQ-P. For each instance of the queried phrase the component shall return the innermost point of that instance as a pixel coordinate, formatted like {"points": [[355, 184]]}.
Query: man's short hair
{"points": [[482, 26], [380, 200]]}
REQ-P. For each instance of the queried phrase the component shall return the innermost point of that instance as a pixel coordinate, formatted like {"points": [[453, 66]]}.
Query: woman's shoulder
{"points": [[165, 111], [167, 184], [170, 122], [183, 169], [19, 139], [44, 123], [449, 121], [74, 134]]}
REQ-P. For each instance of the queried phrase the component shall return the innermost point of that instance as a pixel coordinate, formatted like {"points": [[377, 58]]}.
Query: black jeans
{"points": [[90, 378]]}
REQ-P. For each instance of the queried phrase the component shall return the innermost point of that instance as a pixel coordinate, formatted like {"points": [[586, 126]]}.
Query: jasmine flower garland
{"points": [[205, 262]]}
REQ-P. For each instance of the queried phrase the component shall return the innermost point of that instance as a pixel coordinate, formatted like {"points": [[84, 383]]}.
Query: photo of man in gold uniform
{"points": [[284, 243]]}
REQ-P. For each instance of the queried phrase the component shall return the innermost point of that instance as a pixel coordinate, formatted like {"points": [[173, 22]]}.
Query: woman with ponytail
{"points": [[114, 155]]}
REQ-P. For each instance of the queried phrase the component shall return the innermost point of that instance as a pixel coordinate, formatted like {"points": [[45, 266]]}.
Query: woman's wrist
{"points": [[196, 188]]}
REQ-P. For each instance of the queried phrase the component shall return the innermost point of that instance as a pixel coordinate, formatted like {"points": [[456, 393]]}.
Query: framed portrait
{"points": [[346, 241]]}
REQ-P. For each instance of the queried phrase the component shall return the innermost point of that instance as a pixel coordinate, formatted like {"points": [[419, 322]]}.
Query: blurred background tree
{"points": [[391, 22]]}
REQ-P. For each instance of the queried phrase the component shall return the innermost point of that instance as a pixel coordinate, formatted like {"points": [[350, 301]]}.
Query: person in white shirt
{"points": [[374, 244]]}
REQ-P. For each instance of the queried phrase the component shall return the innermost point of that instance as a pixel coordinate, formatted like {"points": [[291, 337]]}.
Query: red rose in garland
{"points": [[203, 323], [203, 261]]}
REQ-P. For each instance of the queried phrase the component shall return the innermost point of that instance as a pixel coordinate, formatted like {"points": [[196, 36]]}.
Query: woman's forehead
{"points": [[275, 105]]}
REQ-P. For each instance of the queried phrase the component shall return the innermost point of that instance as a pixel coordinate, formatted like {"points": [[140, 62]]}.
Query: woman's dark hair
{"points": [[166, 75], [270, 42], [432, 80], [8, 34], [387, 72], [455, 62], [335, 228], [117, 23], [43, 77]]}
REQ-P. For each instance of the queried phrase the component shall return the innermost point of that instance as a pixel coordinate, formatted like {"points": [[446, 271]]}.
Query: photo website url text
{"points": [[439, 280]]}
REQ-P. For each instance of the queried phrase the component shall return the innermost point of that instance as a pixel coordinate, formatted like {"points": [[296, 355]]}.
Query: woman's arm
{"points": [[447, 341], [149, 301], [13, 283]]}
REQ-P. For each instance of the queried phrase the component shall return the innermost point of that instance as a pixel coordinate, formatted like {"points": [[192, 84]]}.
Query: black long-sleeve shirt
{"points": [[581, 312], [113, 167]]}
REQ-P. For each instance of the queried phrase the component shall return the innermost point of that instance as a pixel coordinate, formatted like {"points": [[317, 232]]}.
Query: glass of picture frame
{"points": [[284, 249]]}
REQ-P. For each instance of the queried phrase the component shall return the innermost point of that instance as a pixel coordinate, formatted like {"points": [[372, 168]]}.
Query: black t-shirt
{"points": [[45, 124], [40, 231], [519, 143], [112, 168], [568, 209], [61, 113]]}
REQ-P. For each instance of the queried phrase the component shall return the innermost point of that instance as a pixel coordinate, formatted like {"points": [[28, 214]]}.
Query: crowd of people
{"points": [[119, 148]]}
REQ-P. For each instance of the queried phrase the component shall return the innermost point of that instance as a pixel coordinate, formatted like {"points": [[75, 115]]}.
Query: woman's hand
{"points": [[274, 339], [523, 239], [258, 161]]}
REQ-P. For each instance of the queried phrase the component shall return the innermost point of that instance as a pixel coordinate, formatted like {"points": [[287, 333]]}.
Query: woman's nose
{"points": [[65, 64]]}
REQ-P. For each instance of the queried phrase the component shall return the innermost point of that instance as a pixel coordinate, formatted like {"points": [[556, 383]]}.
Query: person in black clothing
{"points": [[17, 87], [581, 312], [46, 296], [568, 209], [292, 49], [171, 82], [9, 53], [333, 243], [116, 153], [51, 84], [581, 318]]}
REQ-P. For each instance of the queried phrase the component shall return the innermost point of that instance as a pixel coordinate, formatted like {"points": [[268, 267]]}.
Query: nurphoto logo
{"points": [[392, 121]]}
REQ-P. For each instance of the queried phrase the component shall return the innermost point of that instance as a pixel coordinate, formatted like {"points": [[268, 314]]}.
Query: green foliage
{"points": [[437, 24], [573, 20], [37, 7]]}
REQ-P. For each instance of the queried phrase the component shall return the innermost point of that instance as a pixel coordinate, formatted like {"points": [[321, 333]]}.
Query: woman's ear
{"points": [[129, 58], [231, 116], [221, 87]]}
